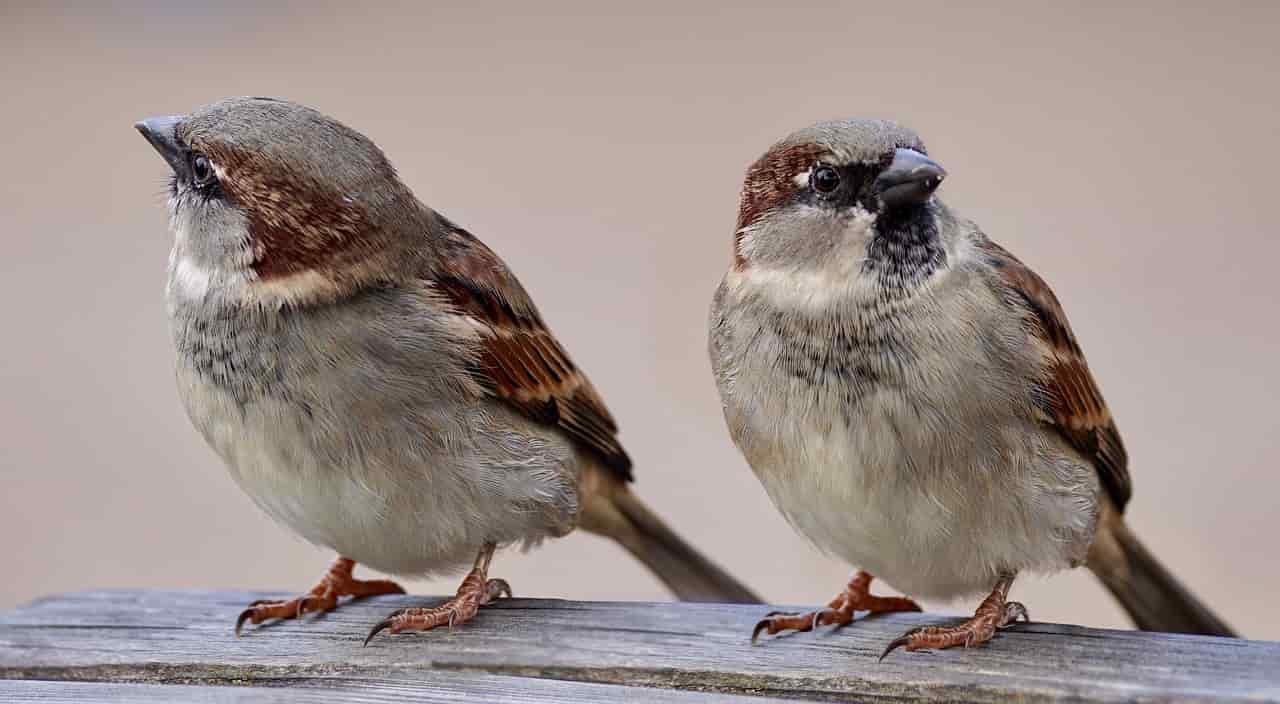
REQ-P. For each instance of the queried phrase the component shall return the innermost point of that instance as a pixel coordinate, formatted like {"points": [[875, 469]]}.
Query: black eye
{"points": [[201, 170], [824, 179]]}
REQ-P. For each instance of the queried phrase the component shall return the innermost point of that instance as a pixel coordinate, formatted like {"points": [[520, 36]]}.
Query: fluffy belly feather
{"points": [[383, 505], [888, 495]]}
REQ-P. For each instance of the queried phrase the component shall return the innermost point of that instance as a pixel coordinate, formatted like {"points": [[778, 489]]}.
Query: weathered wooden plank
{"points": [[429, 688], [185, 637]]}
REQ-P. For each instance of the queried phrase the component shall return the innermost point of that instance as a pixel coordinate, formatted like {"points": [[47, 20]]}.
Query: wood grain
{"points": [[116, 646], [429, 687]]}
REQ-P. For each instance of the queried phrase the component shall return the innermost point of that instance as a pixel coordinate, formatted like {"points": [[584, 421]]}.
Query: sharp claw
{"points": [[382, 626], [755, 632], [896, 643], [904, 639], [244, 616]]}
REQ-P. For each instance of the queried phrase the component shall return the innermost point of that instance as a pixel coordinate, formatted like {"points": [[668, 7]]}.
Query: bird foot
{"points": [[994, 614], [476, 591], [337, 582], [856, 596]]}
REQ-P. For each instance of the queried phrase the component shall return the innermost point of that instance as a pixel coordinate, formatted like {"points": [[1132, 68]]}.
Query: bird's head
{"points": [[837, 198], [275, 203]]}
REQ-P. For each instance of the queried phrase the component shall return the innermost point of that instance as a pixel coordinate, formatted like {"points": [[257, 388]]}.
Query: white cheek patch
{"points": [[802, 178], [861, 227], [814, 286], [219, 262], [194, 281], [190, 279]]}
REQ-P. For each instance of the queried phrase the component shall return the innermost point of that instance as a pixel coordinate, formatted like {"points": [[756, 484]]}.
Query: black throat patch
{"points": [[906, 248]]}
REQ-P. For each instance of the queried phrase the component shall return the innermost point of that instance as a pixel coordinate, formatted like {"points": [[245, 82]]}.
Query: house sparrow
{"points": [[911, 395], [373, 376]]}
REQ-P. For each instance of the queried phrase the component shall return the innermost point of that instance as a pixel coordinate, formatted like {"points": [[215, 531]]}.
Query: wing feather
{"points": [[520, 362], [1069, 397]]}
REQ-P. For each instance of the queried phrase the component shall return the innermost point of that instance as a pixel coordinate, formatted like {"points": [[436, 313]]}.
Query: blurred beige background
{"points": [[1130, 155]]}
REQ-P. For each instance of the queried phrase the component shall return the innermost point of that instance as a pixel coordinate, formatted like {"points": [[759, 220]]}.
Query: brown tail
{"points": [[1154, 598], [613, 511]]}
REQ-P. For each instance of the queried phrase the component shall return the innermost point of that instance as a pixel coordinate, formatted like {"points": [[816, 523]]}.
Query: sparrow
{"points": [[912, 397], [374, 377]]}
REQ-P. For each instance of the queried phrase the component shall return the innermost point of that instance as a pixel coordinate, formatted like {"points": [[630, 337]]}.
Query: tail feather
{"points": [[1152, 596], [619, 514]]}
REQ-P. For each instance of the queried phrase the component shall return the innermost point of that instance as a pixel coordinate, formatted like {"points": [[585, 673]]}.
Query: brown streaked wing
{"points": [[1070, 398], [520, 362]]}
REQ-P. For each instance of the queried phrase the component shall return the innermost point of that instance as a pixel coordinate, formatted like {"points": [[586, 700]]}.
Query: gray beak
{"points": [[161, 132], [911, 178]]}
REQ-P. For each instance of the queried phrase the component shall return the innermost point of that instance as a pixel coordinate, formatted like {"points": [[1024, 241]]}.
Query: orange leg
{"points": [[856, 596], [476, 591], [995, 612], [337, 582]]}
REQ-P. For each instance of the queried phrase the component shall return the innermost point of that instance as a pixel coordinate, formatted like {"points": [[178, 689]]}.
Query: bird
{"points": [[374, 377], [912, 398]]}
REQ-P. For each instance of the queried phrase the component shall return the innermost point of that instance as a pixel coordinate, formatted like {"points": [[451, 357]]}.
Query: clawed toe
{"points": [[994, 613], [856, 596], [778, 621], [761, 625], [244, 616], [459, 609], [266, 609], [381, 626], [476, 590], [904, 639], [336, 583], [969, 634]]}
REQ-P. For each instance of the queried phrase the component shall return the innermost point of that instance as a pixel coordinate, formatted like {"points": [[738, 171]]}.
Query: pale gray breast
{"points": [[948, 354], [354, 425], [380, 356]]}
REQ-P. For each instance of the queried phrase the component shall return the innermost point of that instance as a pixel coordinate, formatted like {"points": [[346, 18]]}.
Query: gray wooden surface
{"points": [[178, 646]]}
